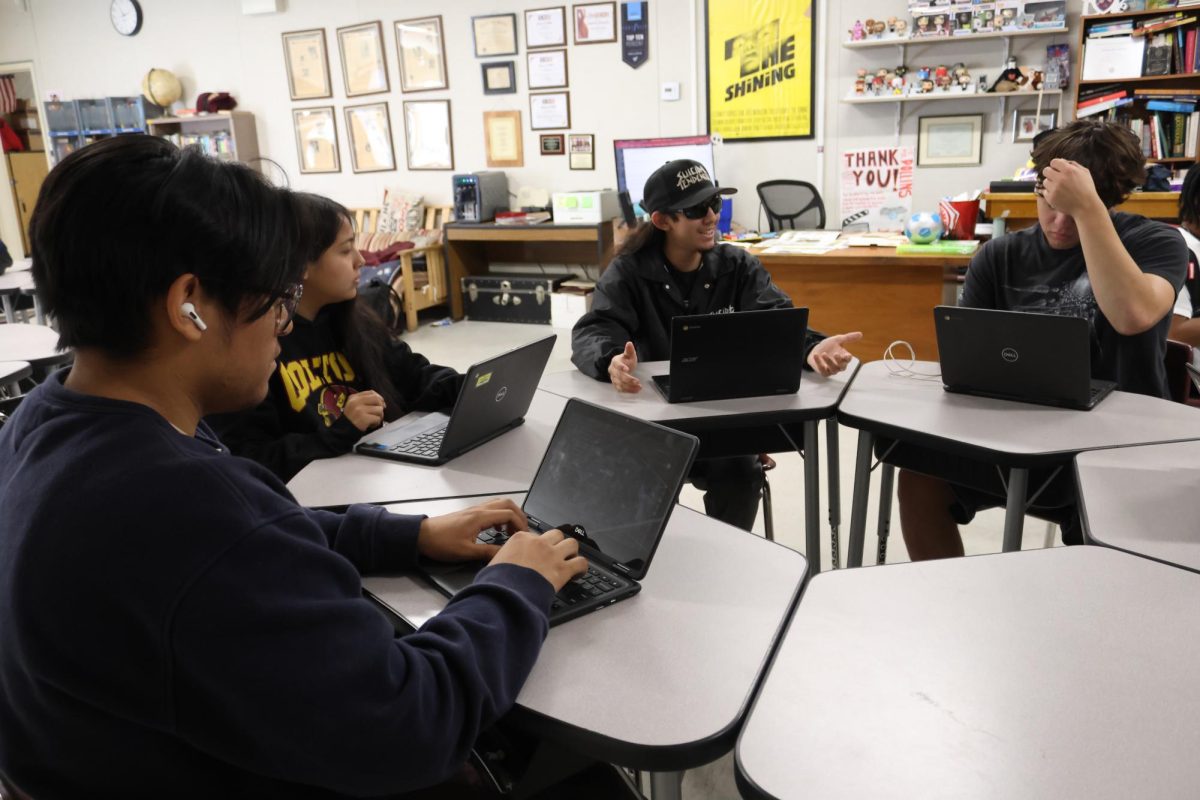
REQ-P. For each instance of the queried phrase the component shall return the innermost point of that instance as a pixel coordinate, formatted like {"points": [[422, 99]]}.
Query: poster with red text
{"points": [[876, 188]]}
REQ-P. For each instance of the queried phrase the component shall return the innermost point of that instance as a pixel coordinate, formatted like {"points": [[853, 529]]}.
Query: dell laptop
{"points": [[1014, 355], [740, 354], [608, 480], [493, 399]]}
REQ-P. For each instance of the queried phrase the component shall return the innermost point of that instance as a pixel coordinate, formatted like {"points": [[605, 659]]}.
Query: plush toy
{"points": [[1011, 79], [212, 102], [858, 32], [1036, 81]]}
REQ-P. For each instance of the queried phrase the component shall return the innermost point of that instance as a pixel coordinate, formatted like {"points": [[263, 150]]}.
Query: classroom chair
{"points": [[792, 204], [1179, 383]]}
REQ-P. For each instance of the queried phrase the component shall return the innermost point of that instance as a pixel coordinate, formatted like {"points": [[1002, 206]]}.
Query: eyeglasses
{"points": [[285, 307], [700, 210]]}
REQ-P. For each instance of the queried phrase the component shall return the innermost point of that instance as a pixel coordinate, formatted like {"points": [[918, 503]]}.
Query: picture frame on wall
{"points": [[594, 23], [499, 77], [369, 131], [582, 149], [552, 144], [421, 51], [364, 68], [502, 139], [494, 35], [549, 110], [546, 27], [316, 140], [307, 62], [546, 69], [1028, 124], [950, 141], [428, 136]]}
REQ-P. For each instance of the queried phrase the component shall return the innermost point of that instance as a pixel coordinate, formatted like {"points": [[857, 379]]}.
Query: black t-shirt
{"points": [[1021, 272], [684, 280]]}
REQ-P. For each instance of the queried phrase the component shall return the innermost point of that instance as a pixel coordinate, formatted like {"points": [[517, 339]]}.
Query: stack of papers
{"points": [[952, 247]]}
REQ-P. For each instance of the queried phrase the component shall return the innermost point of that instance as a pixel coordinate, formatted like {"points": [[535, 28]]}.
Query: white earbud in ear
{"points": [[189, 311]]}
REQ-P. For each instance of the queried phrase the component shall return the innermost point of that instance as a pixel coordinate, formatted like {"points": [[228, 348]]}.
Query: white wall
{"points": [[211, 45]]}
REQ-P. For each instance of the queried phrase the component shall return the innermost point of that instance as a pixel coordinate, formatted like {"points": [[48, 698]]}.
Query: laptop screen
{"points": [[616, 476]]}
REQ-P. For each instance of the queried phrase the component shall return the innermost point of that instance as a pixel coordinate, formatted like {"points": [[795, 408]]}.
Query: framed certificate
{"points": [[495, 35], [307, 64], [949, 141], [421, 49], [316, 140], [502, 138], [499, 77], [551, 144], [546, 27], [547, 69], [364, 69], [370, 135], [595, 22], [427, 135], [582, 147], [549, 110]]}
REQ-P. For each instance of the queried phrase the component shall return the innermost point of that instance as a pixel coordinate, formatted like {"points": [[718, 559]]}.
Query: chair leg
{"points": [[768, 514], [409, 299], [1051, 530], [887, 476]]}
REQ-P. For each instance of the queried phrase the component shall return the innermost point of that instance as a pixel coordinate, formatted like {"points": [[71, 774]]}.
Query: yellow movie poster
{"points": [[760, 69]]}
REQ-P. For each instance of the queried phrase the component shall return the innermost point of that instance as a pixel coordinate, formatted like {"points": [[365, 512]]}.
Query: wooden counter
{"points": [[1021, 208]]}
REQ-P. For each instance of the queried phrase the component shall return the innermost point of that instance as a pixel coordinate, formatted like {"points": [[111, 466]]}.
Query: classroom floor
{"points": [[461, 344]]}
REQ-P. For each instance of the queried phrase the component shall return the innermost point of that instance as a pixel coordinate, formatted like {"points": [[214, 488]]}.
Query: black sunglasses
{"points": [[700, 210]]}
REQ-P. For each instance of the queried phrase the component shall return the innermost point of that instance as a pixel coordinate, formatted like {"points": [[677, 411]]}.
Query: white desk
{"points": [[817, 399], [1014, 435], [505, 464], [660, 681], [1060, 673], [1144, 500], [13, 371], [20, 265], [36, 344], [16, 282]]}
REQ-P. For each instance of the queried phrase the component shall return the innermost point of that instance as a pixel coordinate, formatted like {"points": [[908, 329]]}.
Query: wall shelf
{"points": [[935, 96], [974, 37]]}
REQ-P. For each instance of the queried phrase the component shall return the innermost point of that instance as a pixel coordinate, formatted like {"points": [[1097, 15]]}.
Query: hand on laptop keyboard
{"points": [[552, 555], [452, 537]]}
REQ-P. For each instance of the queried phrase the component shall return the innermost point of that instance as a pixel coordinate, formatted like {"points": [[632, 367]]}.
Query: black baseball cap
{"points": [[679, 184]]}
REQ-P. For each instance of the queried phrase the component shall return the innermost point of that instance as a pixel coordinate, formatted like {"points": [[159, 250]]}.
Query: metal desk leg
{"points": [[858, 502], [835, 491], [39, 316], [887, 476], [666, 785], [1014, 512], [10, 310], [812, 497]]}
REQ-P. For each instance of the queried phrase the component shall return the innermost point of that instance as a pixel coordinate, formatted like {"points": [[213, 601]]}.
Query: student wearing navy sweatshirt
{"points": [[172, 623], [340, 372]]}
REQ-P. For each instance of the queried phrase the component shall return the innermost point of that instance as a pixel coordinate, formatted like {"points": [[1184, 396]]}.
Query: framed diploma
{"points": [[546, 27], [547, 69], [582, 147], [502, 138], [549, 110], [551, 144], [495, 35], [364, 69], [307, 64], [427, 135], [370, 135], [421, 48], [499, 77], [316, 140], [595, 22]]}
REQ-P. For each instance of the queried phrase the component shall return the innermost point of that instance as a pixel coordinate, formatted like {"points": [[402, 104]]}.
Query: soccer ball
{"points": [[923, 228]]}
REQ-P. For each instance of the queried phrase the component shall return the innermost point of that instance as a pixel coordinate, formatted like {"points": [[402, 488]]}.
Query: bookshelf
{"points": [[1162, 109], [227, 135]]}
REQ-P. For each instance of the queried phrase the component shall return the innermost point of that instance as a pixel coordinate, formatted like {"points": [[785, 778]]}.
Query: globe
{"points": [[161, 87], [923, 228]]}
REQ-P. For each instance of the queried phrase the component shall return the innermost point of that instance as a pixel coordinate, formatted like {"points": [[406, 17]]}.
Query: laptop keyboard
{"points": [[427, 444], [592, 583]]}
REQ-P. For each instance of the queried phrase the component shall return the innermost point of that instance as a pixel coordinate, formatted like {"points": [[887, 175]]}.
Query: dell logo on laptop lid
{"points": [[1010, 355], [503, 393]]}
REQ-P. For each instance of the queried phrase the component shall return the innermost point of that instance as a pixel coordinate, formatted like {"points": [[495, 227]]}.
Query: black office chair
{"points": [[792, 204]]}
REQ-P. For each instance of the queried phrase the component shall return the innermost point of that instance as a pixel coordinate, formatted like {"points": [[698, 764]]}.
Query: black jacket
{"points": [[301, 420], [636, 299]]}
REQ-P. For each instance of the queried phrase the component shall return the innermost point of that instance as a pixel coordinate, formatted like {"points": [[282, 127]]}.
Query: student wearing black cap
{"points": [[674, 265]]}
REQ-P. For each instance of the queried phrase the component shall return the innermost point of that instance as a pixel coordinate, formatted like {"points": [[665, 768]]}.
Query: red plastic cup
{"points": [[958, 218]]}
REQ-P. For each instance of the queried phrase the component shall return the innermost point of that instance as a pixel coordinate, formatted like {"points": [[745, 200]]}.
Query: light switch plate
{"points": [[670, 91]]}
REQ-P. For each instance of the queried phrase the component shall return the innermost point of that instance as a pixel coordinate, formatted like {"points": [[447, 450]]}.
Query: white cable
{"points": [[903, 367]]}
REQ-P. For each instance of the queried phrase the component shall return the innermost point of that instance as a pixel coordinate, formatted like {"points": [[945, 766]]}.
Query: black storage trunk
{"points": [[509, 298]]}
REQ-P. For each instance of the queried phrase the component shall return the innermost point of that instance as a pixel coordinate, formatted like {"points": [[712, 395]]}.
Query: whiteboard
{"points": [[638, 158]]}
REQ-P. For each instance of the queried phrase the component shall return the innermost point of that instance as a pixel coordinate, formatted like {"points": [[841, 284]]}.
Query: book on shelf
{"points": [[521, 217], [1092, 100], [1098, 108]]}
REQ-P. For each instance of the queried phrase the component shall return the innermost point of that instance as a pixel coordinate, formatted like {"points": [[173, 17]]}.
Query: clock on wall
{"points": [[126, 16]]}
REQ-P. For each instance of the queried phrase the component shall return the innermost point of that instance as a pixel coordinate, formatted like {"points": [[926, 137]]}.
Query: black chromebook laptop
{"points": [[742, 354], [613, 481], [1014, 355], [493, 399]]}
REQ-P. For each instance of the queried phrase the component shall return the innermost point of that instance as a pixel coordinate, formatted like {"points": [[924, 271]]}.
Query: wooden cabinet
{"points": [[27, 171], [228, 135]]}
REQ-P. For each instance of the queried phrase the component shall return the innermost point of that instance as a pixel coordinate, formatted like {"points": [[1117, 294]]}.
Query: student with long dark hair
{"points": [[341, 372], [1185, 319]]}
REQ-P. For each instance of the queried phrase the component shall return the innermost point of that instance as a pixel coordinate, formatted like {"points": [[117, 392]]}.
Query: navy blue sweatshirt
{"points": [[173, 624]]}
